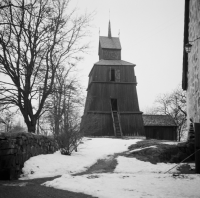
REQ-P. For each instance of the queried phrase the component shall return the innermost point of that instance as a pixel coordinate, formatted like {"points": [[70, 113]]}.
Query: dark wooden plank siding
{"points": [[161, 132], [110, 54], [102, 125], [132, 124], [88, 101], [97, 125], [101, 73], [102, 92]]}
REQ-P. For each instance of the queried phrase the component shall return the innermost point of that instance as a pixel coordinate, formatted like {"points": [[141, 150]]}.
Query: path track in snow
{"points": [[151, 151], [102, 165]]}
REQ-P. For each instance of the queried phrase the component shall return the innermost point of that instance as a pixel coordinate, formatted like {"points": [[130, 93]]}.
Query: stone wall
{"points": [[16, 148], [193, 90]]}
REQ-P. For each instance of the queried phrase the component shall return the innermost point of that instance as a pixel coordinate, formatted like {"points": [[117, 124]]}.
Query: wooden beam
{"points": [[120, 112], [109, 82]]}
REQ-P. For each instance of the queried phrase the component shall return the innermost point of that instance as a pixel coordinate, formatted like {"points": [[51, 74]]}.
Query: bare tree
{"points": [[7, 118], [18, 127], [150, 110], [36, 38], [174, 104], [63, 112]]}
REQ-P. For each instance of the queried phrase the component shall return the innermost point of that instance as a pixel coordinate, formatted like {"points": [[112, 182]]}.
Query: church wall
{"points": [[97, 124], [111, 54], [87, 102], [193, 90], [100, 124], [131, 124], [102, 73], [101, 93]]}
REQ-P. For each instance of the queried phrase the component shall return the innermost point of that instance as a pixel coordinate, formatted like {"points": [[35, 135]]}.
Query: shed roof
{"points": [[113, 62], [109, 43], [158, 120]]}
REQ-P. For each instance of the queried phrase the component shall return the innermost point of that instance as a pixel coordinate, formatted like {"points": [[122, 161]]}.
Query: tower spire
{"points": [[109, 30]]}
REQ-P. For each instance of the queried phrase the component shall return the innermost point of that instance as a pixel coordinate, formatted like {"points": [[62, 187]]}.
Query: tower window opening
{"points": [[114, 104], [112, 75]]}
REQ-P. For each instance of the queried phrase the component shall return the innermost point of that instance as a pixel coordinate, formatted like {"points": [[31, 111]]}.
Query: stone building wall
{"points": [[16, 148], [193, 90]]}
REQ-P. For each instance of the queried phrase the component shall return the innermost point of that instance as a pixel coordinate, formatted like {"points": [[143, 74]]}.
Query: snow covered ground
{"points": [[131, 178], [170, 143]]}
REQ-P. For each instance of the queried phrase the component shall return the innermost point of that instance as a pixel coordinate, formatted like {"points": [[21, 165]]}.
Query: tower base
{"points": [[101, 124]]}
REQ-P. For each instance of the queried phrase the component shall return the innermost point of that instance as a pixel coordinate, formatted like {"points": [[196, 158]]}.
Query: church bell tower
{"points": [[111, 107]]}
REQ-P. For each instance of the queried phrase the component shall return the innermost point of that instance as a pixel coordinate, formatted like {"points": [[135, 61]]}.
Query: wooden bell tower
{"points": [[111, 107]]}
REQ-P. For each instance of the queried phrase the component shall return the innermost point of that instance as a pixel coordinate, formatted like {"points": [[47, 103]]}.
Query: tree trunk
{"points": [[30, 122], [31, 128], [179, 134], [57, 128]]}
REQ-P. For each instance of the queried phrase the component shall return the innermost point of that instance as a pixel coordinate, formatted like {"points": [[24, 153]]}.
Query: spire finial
{"points": [[109, 30]]}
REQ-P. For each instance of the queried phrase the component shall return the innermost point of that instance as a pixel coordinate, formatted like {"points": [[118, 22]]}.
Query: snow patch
{"points": [[170, 143], [135, 150], [88, 153], [131, 178]]}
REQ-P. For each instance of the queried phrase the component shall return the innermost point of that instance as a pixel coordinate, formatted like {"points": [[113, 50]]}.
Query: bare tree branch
{"points": [[173, 104], [36, 39]]}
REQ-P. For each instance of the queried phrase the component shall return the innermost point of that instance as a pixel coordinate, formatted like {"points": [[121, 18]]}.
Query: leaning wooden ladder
{"points": [[116, 124]]}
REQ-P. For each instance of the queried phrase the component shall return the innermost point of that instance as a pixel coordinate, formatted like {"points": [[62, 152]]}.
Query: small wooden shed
{"points": [[160, 127]]}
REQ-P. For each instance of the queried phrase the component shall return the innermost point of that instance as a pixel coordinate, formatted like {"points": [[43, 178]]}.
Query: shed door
{"points": [[114, 104]]}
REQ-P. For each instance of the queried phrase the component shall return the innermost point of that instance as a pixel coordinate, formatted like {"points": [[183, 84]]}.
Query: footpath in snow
{"points": [[131, 177]]}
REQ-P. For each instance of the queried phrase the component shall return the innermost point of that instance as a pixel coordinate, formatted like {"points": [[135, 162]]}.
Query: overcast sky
{"points": [[151, 35]]}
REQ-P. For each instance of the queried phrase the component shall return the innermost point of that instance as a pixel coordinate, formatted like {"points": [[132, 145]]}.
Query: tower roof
{"points": [[109, 43], [114, 62]]}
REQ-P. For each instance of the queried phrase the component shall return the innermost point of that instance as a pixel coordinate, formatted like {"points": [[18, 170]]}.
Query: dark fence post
{"points": [[197, 146]]}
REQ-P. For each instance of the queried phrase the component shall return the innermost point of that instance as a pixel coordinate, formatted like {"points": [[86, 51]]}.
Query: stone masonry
{"points": [[16, 148], [193, 91]]}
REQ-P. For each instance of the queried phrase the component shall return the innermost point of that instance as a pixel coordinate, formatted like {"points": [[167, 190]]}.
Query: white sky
{"points": [[131, 177], [151, 35]]}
